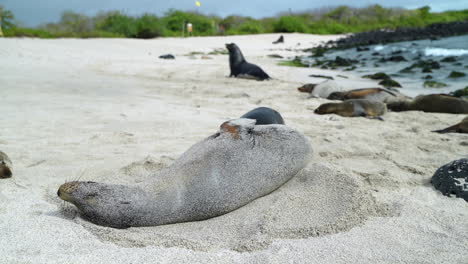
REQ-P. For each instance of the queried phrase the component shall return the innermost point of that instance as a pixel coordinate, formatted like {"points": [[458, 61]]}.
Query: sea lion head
{"points": [[76, 192], [237, 128], [235, 55], [5, 171], [105, 204], [307, 88], [328, 108]]}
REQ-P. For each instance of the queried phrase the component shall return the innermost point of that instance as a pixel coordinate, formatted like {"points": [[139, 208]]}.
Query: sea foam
{"points": [[445, 52]]}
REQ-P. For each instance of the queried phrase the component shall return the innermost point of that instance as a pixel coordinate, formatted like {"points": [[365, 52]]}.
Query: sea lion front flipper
{"points": [[375, 117], [451, 129]]}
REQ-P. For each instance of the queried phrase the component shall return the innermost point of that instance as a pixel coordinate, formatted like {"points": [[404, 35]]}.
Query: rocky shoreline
{"points": [[433, 31]]}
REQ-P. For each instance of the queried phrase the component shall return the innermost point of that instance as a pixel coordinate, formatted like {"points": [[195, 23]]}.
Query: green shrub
{"points": [[290, 24], [118, 23], [202, 25], [148, 26]]}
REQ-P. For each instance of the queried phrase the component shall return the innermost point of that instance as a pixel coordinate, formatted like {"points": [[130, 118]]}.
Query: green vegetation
{"points": [[455, 74], [434, 84], [296, 62], [338, 20], [460, 92]]}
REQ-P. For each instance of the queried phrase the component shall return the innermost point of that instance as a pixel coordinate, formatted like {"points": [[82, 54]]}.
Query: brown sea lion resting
{"points": [[353, 107], [461, 127], [236, 165], [5, 166], [435, 103], [374, 94]]}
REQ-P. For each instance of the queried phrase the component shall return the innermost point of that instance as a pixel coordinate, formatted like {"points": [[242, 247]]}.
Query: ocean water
{"points": [[413, 51]]}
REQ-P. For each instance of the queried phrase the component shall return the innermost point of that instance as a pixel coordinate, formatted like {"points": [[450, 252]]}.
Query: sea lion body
{"points": [[264, 116], [353, 107], [434, 103], [223, 172], [279, 40], [373, 94], [241, 68], [5, 166], [461, 127], [321, 90]]}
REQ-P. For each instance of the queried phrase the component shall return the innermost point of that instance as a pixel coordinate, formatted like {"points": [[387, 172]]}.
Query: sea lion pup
{"points": [[374, 94], [241, 68], [354, 107], [5, 166], [321, 90], [279, 40], [461, 127], [435, 103], [223, 172], [264, 116]]}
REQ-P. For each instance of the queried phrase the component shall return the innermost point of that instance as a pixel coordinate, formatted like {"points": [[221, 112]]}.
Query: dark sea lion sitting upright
{"points": [[434, 103], [353, 107], [279, 40], [241, 68], [5, 166], [461, 127], [236, 165], [264, 116]]}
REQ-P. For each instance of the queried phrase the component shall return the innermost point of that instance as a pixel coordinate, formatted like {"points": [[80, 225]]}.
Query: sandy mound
{"points": [[317, 201]]}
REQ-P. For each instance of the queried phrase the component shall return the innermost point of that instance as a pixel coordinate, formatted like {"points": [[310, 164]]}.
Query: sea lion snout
{"points": [[66, 190], [5, 171]]}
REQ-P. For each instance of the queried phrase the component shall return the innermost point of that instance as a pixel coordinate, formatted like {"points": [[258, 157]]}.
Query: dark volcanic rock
{"points": [[436, 30], [167, 57], [387, 83], [449, 59], [452, 179], [460, 92], [377, 76], [455, 74]]}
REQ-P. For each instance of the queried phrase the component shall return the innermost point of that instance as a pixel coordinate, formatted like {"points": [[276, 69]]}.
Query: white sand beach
{"points": [[109, 110]]}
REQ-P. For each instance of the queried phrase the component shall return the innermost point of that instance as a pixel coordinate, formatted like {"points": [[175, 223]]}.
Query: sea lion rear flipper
{"points": [[375, 117], [451, 129]]}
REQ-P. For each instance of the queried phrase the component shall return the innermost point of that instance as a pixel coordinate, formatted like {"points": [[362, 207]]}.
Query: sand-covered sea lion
{"points": [[321, 90], [5, 166], [353, 107], [241, 68], [435, 103], [461, 127], [223, 172], [264, 116], [375, 94]]}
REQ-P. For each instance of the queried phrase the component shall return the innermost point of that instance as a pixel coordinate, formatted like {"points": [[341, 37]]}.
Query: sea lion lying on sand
{"points": [[264, 116], [375, 94], [5, 166], [223, 172], [241, 68], [461, 127], [353, 107], [435, 103], [321, 90], [279, 40]]}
